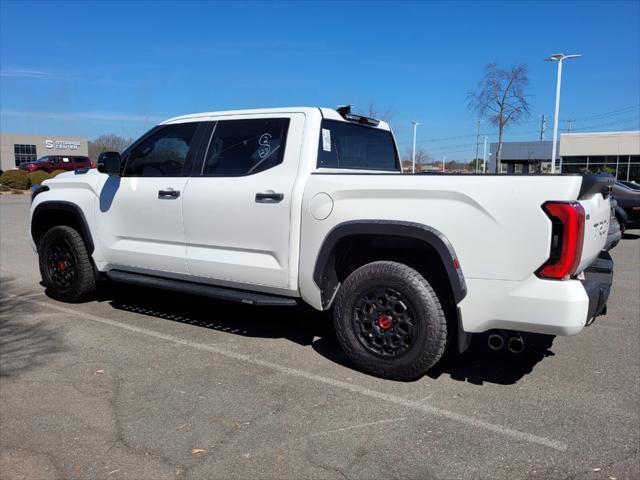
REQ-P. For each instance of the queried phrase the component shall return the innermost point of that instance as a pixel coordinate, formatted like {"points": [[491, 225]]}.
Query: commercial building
{"points": [[522, 157], [617, 153], [17, 148]]}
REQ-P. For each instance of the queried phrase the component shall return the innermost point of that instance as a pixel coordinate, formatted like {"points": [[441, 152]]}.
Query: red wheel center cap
{"points": [[62, 265], [385, 322]]}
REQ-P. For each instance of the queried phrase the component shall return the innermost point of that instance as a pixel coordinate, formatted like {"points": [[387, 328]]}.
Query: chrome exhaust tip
{"points": [[515, 344], [495, 341]]}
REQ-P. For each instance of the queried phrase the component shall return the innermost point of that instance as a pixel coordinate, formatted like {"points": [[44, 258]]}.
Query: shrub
{"points": [[15, 179], [56, 173], [38, 177]]}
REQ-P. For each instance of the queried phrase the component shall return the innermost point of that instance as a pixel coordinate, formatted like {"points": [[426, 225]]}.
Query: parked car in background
{"points": [[52, 163], [632, 185], [627, 195]]}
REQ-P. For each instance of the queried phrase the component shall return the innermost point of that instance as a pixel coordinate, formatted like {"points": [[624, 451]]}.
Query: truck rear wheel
{"points": [[65, 265], [389, 321]]}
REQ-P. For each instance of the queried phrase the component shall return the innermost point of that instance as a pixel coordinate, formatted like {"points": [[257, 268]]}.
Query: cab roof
{"points": [[327, 113]]}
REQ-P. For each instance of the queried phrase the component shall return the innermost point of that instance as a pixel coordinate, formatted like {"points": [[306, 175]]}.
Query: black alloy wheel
{"points": [[385, 322], [61, 265], [65, 265]]}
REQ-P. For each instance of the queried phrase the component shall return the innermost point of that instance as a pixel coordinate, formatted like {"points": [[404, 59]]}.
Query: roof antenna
{"points": [[344, 109]]}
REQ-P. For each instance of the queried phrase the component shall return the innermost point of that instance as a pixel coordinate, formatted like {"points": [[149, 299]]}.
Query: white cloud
{"points": [[24, 73], [91, 116]]}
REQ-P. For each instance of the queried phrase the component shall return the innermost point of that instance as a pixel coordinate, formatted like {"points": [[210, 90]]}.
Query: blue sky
{"points": [[84, 68]]}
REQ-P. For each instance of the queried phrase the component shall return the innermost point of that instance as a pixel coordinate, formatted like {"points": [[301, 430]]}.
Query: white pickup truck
{"points": [[288, 205]]}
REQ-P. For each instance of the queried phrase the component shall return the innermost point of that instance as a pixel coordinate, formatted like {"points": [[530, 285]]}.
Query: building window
{"points": [[634, 168], [24, 153], [574, 160], [623, 167]]}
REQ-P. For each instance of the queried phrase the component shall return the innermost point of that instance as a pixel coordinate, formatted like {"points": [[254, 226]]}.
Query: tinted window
{"points": [[345, 145], [163, 153], [245, 147]]}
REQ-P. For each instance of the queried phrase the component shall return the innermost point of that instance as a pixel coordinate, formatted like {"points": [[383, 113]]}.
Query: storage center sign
{"points": [[62, 144]]}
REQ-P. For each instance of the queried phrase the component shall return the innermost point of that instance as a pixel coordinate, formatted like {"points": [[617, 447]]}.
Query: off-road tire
{"points": [[431, 338], [66, 245]]}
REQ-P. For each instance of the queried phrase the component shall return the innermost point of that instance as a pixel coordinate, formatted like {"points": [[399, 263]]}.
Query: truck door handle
{"points": [[269, 197], [168, 193]]}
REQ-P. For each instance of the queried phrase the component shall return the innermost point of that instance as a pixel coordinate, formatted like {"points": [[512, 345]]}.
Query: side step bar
{"points": [[204, 290]]}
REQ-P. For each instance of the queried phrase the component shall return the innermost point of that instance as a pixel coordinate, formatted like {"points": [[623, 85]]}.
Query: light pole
{"points": [[557, 57], [413, 154], [484, 157], [477, 143]]}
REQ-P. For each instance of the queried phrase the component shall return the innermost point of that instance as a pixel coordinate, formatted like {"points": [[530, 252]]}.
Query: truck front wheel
{"points": [[389, 321], [65, 265]]}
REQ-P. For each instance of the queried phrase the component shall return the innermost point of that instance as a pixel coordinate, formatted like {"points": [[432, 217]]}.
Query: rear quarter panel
{"points": [[495, 223]]}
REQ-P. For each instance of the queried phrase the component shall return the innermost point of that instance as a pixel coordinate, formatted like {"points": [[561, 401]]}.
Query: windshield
{"points": [[351, 146]]}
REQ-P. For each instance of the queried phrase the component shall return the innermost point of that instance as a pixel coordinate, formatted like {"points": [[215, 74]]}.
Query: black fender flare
{"points": [[67, 207], [418, 231]]}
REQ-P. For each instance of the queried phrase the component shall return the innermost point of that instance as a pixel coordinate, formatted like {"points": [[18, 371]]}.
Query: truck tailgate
{"points": [[595, 197]]}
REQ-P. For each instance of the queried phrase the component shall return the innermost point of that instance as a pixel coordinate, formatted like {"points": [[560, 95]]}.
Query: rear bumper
{"points": [[535, 305], [597, 282]]}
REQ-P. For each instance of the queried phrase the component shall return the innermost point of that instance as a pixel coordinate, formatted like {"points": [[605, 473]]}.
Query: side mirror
{"points": [[109, 163]]}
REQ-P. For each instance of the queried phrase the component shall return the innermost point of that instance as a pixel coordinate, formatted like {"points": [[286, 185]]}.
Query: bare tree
{"points": [[501, 99], [385, 115], [421, 155], [422, 158], [108, 143]]}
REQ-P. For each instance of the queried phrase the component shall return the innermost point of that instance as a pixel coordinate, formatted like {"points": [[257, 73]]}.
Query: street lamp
{"points": [[557, 57], [413, 154], [484, 157]]}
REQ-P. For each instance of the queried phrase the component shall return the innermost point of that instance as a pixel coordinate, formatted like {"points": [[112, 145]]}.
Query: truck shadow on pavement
{"points": [[308, 327], [25, 343], [480, 364]]}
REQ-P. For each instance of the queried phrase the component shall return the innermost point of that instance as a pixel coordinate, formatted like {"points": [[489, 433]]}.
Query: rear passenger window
{"points": [[245, 147], [163, 154], [347, 145]]}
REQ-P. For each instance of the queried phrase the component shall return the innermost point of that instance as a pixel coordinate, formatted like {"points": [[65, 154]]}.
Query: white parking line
{"points": [[29, 295], [404, 402], [346, 429]]}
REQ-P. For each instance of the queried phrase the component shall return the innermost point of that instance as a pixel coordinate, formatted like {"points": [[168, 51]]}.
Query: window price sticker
{"points": [[326, 140]]}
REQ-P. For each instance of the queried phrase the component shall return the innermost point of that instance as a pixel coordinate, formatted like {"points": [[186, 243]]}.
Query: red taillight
{"points": [[566, 242], [93, 165]]}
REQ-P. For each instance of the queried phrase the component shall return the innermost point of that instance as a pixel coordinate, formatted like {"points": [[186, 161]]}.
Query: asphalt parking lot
{"points": [[144, 384]]}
